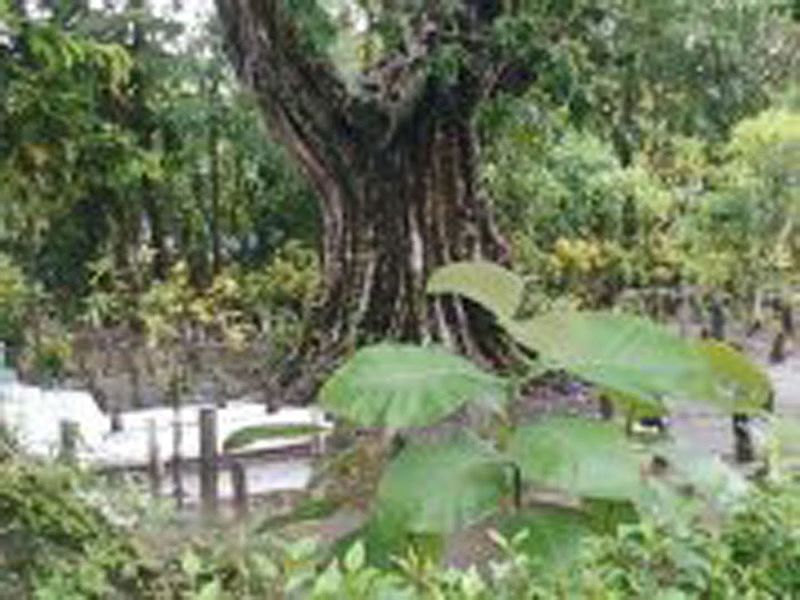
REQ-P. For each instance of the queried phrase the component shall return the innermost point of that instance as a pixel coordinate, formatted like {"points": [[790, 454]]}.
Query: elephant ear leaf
{"points": [[397, 386], [584, 458], [743, 385], [627, 354], [443, 487], [497, 289]]}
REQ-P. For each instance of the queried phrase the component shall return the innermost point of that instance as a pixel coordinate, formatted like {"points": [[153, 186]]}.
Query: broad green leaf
{"points": [[442, 487], [386, 541], [628, 354], [257, 433], [744, 386], [585, 458], [496, 289], [391, 385], [707, 475]]}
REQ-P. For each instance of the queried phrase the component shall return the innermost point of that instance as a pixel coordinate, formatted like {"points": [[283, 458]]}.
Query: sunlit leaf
{"points": [[582, 457], [744, 385], [442, 487], [628, 354], [391, 385], [691, 484], [497, 289]]}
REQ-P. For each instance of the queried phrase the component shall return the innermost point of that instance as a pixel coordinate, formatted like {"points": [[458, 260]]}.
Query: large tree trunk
{"points": [[396, 175], [410, 208]]}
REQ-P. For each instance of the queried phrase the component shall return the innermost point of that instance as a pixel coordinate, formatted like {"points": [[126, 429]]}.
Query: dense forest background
{"points": [[144, 205]]}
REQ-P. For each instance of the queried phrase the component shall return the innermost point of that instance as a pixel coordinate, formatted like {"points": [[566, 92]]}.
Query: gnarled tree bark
{"points": [[394, 166]]}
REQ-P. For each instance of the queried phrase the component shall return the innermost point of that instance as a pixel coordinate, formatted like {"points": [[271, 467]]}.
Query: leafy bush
{"points": [[754, 555], [764, 539], [742, 232], [580, 222], [55, 544], [281, 294], [15, 298], [585, 225], [60, 540], [290, 280], [47, 358]]}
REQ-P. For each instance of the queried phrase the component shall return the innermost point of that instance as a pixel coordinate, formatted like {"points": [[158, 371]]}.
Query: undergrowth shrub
{"points": [[57, 543], [16, 297], [54, 544]]}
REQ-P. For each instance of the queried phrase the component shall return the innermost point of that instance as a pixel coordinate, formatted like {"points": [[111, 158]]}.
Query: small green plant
{"points": [[431, 490]]}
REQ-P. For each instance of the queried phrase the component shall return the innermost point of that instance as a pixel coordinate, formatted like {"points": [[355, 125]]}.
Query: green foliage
{"points": [[53, 543], [753, 556], [171, 308], [744, 386], [628, 354], [289, 282], [496, 289], [580, 222], [15, 301], [390, 385], [764, 537], [685, 207], [469, 476], [634, 359], [48, 358], [121, 148], [638, 363], [57, 543], [551, 535], [583, 458], [744, 233]]}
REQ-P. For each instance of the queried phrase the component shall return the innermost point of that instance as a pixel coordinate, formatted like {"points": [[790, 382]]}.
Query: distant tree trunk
{"points": [[155, 219], [216, 188], [397, 183], [141, 118]]}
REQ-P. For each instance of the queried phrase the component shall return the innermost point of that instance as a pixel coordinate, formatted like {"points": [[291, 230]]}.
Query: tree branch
{"points": [[311, 109], [402, 85], [301, 95]]}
